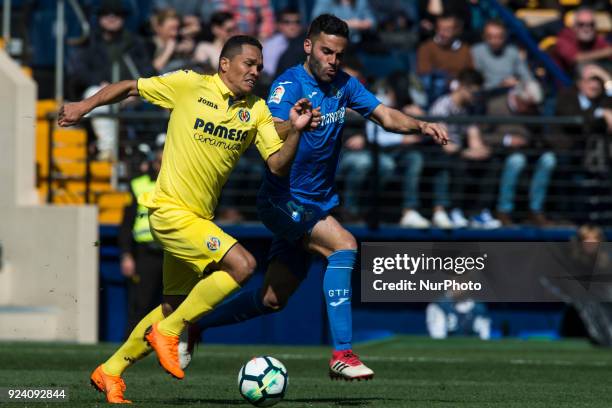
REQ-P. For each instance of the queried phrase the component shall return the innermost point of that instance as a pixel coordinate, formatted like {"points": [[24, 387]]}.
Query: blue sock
{"points": [[337, 290], [243, 306]]}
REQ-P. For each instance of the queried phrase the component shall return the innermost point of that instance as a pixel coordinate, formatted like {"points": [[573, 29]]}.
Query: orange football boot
{"points": [[111, 385], [166, 348]]}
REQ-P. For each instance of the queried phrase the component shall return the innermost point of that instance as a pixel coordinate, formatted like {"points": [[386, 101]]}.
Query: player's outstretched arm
{"points": [[71, 113], [398, 122], [301, 117]]}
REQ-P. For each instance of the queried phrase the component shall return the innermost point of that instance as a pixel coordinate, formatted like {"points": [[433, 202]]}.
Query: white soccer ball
{"points": [[263, 381]]}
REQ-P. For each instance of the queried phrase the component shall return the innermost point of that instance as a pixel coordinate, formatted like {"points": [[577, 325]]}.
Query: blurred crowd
{"points": [[446, 59]]}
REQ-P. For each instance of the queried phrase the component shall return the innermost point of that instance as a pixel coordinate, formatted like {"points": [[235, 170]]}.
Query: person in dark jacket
{"points": [[141, 256]]}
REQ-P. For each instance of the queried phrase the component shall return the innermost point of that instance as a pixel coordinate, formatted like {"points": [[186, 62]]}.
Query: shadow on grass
{"points": [[338, 402]]}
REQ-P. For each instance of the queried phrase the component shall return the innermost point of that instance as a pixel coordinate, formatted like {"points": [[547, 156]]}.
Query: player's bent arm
{"points": [[283, 128], [280, 161], [395, 121], [71, 113]]}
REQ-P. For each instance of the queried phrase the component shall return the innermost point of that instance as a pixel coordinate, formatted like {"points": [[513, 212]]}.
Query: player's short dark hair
{"points": [[220, 17], [328, 24], [470, 77], [233, 46]]}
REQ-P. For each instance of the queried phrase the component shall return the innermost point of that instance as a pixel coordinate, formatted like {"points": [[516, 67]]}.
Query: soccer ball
{"points": [[263, 381]]}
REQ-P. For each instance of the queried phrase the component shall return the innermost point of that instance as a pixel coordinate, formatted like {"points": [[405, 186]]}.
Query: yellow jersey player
{"points": [[212, 122]]}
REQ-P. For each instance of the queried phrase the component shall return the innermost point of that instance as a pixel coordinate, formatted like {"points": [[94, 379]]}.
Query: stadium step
{"points": [[39, 323]]}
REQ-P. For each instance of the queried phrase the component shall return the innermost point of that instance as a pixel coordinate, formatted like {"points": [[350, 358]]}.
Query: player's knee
{"points": [[243, 269], [274, 302], [347, 242], [167, 309]]}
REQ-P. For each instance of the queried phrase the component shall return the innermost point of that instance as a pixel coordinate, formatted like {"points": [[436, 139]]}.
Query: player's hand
{"points": [[301, 114], [316, 119], [436, 130], [128, 266], [71, 113]]}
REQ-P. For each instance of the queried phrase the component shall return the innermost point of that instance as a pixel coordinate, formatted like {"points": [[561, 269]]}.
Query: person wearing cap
{"points": [[518, 148]]}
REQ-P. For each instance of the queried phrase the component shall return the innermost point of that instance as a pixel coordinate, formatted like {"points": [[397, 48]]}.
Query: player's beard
{"points": [[318, 70]]}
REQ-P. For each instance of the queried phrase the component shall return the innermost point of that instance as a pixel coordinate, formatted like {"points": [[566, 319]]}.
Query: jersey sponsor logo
{"points": [[208, 103], [244, 115], [333, 117], [277, 95], [219, 131], [213, 243]]}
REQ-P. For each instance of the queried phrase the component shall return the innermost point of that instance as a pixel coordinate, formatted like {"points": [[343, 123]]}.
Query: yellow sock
{"points": [[204, 297], [135, 347]]}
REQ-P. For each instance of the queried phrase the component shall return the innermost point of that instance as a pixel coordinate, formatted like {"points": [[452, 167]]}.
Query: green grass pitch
{"points": [[410, 372]]}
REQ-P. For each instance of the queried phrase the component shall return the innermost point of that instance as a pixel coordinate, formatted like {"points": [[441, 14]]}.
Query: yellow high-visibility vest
{"points": [[141, 231]]}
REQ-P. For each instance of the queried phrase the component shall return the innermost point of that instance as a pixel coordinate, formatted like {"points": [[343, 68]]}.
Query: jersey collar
{"points": [[308, 76], [225, 91]]}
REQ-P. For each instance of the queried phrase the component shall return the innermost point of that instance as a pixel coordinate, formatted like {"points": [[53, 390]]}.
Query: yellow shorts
{"points": [[190, 243]]}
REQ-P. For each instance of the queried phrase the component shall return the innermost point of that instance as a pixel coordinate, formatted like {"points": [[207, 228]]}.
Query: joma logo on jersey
{"points": [[220, 131], [208, 103], [244, 115]]}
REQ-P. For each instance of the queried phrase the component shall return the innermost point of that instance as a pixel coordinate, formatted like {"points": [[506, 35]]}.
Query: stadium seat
{"points": [[111, 207], [537, 17], [548, 43]]}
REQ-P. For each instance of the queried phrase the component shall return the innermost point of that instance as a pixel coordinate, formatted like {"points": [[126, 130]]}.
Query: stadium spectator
{"points": [[500, 63], [516, 144], [356, 13], [169, 50], [141, 256], [222, 26], [467, 158], [590, 98], [440, 59], [430, 10], [458, 315], [91, 67], [253, 17], [288, 39], [396, 150], [191, 13], [581, 43], [189, 10]]}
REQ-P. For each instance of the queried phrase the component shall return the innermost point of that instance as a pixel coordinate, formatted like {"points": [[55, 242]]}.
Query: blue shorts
{"points": [[289, 220]]}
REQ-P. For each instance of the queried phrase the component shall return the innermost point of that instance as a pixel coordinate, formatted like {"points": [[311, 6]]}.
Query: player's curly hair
{"points": [[328, 24]]}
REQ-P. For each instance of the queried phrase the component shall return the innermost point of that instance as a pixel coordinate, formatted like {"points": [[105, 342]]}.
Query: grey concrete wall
{"points": [[50, 253]]}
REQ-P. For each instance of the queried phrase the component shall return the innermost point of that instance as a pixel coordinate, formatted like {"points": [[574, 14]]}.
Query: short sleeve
{"points": [[361, 100], [266, 140], [283, 95], [164, 90]]}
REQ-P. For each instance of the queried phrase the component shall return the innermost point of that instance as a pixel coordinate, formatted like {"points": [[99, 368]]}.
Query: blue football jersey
{"points": [[312, 175]]}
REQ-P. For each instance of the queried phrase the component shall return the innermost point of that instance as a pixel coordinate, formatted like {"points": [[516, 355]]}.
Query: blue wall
{"points": [[304, 322]]}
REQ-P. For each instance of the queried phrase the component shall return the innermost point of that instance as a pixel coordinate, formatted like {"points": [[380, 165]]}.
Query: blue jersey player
{"points": [[296, 208]]}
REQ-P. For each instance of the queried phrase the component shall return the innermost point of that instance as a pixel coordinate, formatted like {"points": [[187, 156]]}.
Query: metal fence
{"points": [[579, 189]]}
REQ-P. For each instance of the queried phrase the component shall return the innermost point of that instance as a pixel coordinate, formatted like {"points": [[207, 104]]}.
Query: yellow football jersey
{"points": [[207, 133]]}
